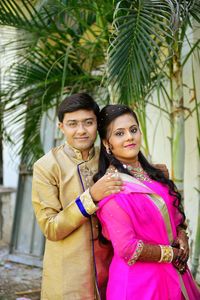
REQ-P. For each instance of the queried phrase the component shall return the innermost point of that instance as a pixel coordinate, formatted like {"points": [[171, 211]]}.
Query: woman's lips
{"points": [[130, 146]]}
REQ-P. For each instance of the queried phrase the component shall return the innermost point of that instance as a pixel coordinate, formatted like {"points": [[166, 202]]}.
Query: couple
{"points": [[138, 207]]}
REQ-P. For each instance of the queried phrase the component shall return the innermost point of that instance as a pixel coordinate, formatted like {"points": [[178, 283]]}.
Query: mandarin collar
{"points": [[76, 154]]}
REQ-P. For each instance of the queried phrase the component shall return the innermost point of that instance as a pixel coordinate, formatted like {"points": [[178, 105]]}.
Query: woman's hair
{"points": [[106, 116]]}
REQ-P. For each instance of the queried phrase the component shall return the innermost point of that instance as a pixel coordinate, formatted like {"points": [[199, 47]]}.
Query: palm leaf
{"points": [[55, 60], [138, 46]]}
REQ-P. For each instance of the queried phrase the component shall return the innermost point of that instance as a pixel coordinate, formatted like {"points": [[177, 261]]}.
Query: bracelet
{"points": [[167, 254]]}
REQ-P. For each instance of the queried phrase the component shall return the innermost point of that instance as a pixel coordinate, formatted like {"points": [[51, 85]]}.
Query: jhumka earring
{"points": [[108, 150]]}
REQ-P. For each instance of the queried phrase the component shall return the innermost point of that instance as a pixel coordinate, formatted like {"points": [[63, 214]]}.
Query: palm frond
{"points": [[54, 56], [139, 47]]}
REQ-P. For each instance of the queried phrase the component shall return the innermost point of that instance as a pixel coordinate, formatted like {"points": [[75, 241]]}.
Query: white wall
{"points": [[158, 137], [11, 160]]}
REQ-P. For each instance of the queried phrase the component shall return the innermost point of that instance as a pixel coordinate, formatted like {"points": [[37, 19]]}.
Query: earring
{"points": [[108, 150]]}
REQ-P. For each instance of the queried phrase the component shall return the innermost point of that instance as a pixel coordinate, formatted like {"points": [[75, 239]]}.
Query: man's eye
{"points": [[72, 124], [88, 123]]}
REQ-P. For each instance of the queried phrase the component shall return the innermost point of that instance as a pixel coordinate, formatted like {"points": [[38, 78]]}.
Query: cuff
{"points": [[136, 253], [85, 204]]}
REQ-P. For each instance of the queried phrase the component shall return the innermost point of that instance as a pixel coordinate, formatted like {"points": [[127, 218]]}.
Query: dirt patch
{"points": [[18, 281]]}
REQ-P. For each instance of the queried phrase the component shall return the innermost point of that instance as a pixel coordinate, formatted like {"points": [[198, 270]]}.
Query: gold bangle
{"points": [[167, 254]]}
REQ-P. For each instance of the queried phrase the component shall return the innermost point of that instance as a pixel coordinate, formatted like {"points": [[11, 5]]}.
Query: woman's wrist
{"points": [[157, 253], [167, 254], [175, 253], [160, 253]]}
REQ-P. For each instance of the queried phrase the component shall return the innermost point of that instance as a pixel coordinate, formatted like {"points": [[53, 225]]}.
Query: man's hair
{"points": [[76, 102]]}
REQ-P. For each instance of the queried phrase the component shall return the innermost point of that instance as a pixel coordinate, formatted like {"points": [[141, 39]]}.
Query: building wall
{"points": [[158, 136]]}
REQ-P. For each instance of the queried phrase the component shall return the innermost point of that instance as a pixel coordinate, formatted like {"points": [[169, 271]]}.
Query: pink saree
{"points": [[143, 212]]}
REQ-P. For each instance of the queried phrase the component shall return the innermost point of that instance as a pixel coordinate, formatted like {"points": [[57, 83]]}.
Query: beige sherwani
{"points": [[59, 177]]}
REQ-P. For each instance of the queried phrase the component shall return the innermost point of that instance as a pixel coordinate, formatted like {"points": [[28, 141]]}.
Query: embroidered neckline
{"points": [[137, 172], [75, 153]]}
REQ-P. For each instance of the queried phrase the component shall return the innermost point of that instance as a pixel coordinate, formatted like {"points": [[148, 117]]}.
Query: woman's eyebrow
{"points": [[134, 125]]}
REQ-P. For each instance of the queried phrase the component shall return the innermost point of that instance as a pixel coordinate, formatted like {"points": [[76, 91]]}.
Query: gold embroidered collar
{"points": [[76, 154]]}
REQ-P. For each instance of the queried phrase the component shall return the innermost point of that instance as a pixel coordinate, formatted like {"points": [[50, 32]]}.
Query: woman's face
{"points": [[124, 138]]}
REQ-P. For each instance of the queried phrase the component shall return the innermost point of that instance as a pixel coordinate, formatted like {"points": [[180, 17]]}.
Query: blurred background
{"points": [[145, 54]]}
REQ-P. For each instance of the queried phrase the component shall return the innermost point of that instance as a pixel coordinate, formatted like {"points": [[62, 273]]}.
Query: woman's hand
{"points": [[177, 262], [181, 242], [181, 250]]}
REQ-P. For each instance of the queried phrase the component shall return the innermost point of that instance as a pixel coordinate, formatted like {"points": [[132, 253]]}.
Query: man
{"points": [[75, 262]]}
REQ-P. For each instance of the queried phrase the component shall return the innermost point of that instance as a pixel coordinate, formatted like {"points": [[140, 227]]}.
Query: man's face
{"points": [[80, 130]]}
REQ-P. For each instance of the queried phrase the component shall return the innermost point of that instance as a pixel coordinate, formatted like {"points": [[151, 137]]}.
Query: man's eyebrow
{"points": [[74, 120]]}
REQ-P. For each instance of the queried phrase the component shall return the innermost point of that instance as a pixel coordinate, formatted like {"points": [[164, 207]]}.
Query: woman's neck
{"points": [[132, 165]]}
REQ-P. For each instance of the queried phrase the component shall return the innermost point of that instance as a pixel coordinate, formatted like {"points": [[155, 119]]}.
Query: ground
{"points": [[18, 281]]}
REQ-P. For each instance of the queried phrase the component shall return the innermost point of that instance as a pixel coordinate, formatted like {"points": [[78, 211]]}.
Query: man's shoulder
{"points": [[163, 168], [50, 157]]}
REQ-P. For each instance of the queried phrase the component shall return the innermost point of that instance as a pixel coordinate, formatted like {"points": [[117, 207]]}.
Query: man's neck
{"points": [[85, 154]]}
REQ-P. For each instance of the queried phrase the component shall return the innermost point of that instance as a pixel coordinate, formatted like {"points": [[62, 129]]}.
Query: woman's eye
{"points": [[119, 133], [134, 130]]}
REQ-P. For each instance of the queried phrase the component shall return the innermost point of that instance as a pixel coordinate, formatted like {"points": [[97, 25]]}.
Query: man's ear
{"points": [[60, 126]]}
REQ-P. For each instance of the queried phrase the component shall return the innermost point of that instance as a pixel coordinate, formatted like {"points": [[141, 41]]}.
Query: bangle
{"points": [[167, 254]]}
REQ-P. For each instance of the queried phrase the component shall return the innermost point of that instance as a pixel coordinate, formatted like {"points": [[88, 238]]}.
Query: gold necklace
{"points": [[137, 172]]}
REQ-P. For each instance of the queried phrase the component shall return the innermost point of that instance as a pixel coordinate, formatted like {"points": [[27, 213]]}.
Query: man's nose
{"points": [[80, 128]]}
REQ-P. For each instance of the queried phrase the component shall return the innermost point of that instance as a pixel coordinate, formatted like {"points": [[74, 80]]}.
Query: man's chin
{"points": [[83, 146]]}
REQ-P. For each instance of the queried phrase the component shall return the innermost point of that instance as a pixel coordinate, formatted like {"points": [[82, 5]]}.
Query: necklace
{"points": [[137, 172]]}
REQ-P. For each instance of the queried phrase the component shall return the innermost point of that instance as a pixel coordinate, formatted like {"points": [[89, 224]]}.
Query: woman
{"points": [[145, 222]]}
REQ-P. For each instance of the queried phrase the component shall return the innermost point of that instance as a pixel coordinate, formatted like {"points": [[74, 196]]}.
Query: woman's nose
{"points": [[129, 135]]}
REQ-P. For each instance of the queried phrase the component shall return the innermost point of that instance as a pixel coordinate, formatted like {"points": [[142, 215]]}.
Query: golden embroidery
{"points": [[88, 203], [137, 253]]}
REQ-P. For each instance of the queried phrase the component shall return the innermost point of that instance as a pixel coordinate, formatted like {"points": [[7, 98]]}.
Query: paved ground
{"points": [[18, 281]]}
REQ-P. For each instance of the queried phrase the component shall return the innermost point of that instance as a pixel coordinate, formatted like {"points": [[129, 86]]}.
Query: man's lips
{"points": [[81, 138]]}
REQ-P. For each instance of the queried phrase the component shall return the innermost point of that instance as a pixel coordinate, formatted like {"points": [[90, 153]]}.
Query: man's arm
{"points": [[55, 222]]}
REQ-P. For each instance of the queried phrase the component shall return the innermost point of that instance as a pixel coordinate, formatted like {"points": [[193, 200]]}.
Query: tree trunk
{"points": [[1, 140], [178, 126]]}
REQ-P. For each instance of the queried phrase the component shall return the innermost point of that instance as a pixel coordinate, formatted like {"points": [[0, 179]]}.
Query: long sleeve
{"points": [[55, 221], [117, 227]]}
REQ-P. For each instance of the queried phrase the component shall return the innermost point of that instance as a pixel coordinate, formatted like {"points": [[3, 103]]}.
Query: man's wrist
{"points": [[86, 204]]}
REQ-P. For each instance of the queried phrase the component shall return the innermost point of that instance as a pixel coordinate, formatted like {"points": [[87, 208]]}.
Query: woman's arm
{"points": [[118, 227]]}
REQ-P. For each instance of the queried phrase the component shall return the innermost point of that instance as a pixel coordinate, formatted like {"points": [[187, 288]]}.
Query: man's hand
{"points": [[108, 184], [162, 168]]}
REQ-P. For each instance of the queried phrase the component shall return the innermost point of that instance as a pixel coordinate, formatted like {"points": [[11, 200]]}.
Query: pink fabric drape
{"points": [[127, 218]]}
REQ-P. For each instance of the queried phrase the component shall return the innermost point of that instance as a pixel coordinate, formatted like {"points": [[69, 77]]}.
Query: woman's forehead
{"points": [[124, 121]]}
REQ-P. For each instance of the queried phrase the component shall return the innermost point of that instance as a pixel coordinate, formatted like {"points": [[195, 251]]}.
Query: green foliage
{"points": [[57, 45], [148, 34], [61, 47]]}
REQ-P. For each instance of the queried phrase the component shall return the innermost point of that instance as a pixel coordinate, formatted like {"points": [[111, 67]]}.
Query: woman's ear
{"points": [[105, 143], [107, 146]]}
